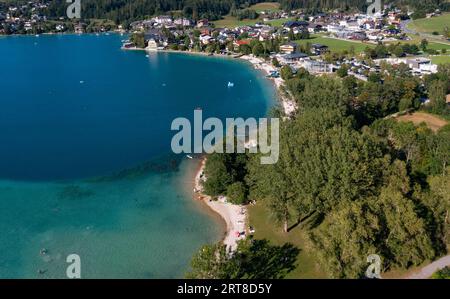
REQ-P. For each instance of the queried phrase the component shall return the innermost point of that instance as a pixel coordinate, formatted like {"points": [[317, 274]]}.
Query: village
{"points": [[320, 43], [298, 42]]}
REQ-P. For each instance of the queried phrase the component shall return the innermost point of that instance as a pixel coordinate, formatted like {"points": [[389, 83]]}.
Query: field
{"points": [[231, 22], [336, 45], [432, 24], [441, 59], [265, 229], [266, 6], [433, 122]]}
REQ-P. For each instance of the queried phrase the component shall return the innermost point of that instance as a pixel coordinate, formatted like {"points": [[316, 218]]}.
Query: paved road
{"points": [[404, 27], [427, 271]]}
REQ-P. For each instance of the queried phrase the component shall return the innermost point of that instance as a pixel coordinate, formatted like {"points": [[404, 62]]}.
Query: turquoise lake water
{"points": [[85, 159]]}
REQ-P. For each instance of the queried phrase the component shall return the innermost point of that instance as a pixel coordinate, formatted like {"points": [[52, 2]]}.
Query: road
{"points": [[427, 271]]}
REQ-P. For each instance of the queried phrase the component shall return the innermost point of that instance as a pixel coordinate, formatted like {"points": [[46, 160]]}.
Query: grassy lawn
{"points": [[432, 45], [266, 6], [336, 45], [432, 24], [265, 229], [231, 22], [438, 46], [442, 59]]}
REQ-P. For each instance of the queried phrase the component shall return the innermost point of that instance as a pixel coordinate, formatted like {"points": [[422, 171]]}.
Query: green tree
{"points": [[258, 49], [252, 259], [210, 262], [138, 39], [217, 176], [442, 274], [437, 95], [424, 44], [342, 71], [237, 193], [286, 73]]}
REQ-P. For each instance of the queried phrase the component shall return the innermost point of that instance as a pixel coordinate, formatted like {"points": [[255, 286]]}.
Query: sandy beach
{"points": [[235, 216], [288, 105]]}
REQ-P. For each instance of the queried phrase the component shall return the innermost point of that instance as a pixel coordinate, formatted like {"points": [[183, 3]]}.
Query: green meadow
{"points": [[336, 45], [266, 6], [441, 59], [432, 24]]}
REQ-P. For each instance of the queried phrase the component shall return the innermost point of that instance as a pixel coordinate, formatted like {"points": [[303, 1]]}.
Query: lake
{"points": [[85, 160]]}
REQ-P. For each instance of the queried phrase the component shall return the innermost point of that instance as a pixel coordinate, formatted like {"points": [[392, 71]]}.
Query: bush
{"points": [[286, 73], [342, 71], [442, 274], [237, 193]]}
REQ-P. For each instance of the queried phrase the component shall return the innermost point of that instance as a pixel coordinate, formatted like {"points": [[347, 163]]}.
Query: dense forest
{"points": [[357, 180], [126, 11]]}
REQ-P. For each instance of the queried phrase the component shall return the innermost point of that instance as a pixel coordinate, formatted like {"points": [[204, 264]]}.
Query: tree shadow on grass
{"points": [[264, 261]]}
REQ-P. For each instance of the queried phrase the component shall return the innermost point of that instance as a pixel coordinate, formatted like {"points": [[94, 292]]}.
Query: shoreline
{"points": [[234, 216], [289, 106]]}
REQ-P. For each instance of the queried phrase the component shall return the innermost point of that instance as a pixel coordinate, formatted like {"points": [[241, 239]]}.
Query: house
{"points": [[314, 28], [295, 24], [184, 22], [206, 31], [288, 48], [205, 39], [79, 28], [361, 35], [163, 20], [238, 43], [423, 65], [152, 45], [292, 58], [202, 23], [319, 49], [314, 66]]}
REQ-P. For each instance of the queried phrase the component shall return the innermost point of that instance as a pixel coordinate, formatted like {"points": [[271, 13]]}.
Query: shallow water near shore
{"points": [[85, 161]]}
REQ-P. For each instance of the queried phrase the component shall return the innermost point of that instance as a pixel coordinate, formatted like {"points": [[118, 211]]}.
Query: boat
{"points": [[230, 84], [189, 156]]}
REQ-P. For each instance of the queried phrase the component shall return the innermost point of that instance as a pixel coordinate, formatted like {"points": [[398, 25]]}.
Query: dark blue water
{"points": [[85, 159]]}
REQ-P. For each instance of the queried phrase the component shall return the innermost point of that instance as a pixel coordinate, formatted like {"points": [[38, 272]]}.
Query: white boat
{"points": [[189, 156], [230, 84]]}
